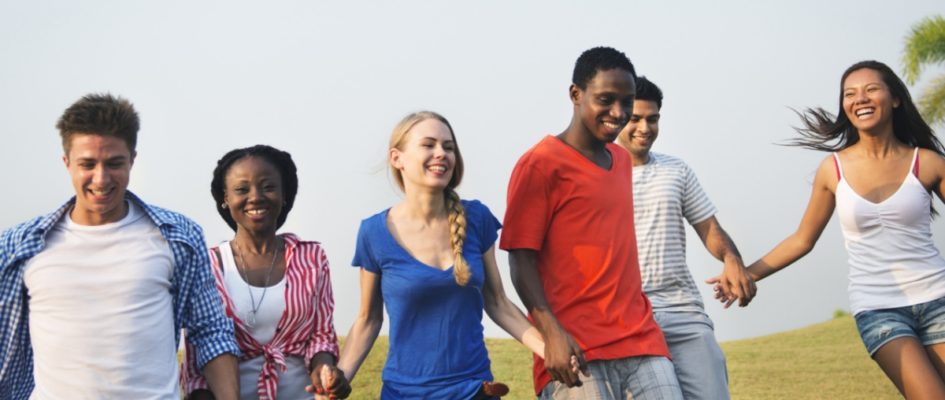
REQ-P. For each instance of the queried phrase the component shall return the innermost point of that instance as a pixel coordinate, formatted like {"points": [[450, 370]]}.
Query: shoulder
{"points": [[474, 206], [15, 235], [373, 224], [163, 216], [545, 151], [931, 159]]}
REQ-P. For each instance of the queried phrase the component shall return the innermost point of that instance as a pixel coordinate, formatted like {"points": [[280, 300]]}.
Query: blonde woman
{"points": [[431, 261]]}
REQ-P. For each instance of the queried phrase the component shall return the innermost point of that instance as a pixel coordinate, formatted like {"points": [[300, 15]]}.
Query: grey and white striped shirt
{"points": [[666, 190]]}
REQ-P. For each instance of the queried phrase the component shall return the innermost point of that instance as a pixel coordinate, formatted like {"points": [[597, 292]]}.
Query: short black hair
{"points": [[648, 91], [599, 59], [100, 114], [278, 158]]}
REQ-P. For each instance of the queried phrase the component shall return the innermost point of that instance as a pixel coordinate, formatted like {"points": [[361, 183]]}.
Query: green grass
{"points": [[823, 361]]}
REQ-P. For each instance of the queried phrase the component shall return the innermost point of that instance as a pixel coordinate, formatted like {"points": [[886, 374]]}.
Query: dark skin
{"points": [[601, 110]]}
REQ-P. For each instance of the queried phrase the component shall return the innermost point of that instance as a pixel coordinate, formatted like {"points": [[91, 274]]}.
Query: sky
{"points": [[327, 81]]}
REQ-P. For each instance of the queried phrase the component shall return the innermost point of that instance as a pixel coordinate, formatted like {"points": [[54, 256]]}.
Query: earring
{"points": [[223, 205]]}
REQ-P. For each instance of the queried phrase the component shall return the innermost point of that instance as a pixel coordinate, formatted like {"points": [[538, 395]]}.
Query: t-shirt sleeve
{"points": [[363, 256], [487, 226], [696, 204], [529, 208]]}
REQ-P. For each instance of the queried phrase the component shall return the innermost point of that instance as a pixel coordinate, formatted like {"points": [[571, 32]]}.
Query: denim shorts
{"points": [[925, 322]]}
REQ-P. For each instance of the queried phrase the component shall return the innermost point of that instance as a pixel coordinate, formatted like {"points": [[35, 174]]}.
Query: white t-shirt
{"points": [[666, 191], [269, 310], [101, 319]]}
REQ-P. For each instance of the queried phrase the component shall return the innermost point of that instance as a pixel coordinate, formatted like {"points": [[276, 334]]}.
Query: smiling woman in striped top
{"points": [[275, 288]]}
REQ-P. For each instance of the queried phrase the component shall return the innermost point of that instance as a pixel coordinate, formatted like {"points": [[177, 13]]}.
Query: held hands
{"points": [[328, 382], [735, 283], [564, 358]]}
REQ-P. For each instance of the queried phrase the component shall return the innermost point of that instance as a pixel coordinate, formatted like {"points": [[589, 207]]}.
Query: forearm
{"points": [[510, 318], [528, 285], [358, 344], [321, 358], [784, 254], [222, 375]]}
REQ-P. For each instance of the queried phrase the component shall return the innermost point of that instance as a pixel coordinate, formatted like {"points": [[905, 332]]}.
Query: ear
{"points": [[575, 93], [393, 157], [133, 155], [65, 160]]}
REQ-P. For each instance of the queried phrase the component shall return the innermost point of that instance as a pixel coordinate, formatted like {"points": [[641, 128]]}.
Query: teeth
{"points": [[612, 125], [865, 111], [256, 212], [438, 168], [99, 192]]}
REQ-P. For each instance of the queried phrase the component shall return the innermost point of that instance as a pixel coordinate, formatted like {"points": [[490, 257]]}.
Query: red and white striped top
{"points": [[305, 329]]}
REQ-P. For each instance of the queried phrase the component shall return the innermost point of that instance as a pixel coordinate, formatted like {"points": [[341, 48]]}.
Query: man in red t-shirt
{"points": [[572, 248]]}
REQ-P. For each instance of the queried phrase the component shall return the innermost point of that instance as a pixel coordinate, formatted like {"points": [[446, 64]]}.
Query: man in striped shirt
{"points": [[93, 296], [666, 191]]}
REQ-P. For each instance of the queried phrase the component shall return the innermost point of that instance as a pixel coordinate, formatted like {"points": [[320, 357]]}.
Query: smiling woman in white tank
{"points": [[885, 163]]}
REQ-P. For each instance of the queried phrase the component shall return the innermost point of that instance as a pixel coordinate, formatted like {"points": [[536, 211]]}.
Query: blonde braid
{"points": [[457, 218]]}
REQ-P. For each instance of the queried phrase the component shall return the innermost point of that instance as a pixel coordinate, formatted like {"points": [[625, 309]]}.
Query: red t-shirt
{"points": [[579, 218]]}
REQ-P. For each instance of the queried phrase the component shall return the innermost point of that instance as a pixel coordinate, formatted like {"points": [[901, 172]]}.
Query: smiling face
{"points": [[867, 101], [253, 194], [605, 103], [642, 129], [426, 156], [100, 167]]}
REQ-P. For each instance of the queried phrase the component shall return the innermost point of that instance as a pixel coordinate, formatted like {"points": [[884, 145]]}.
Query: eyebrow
{"points": [[112, 159]]}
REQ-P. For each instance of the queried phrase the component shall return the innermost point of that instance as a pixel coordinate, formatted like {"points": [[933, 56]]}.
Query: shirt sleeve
{"points": [[206, 324], [696, 205], [324, 338], [529, 207], [363, 257], [486, 223]]}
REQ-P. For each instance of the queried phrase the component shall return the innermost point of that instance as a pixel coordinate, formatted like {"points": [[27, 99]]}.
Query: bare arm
{"points": [[498, 306], [222, 375], [735, 282], [819, 209], [366, 327], [559, 345]]}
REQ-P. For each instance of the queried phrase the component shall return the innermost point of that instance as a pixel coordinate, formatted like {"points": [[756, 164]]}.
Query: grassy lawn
{"points": [[823, 361]]}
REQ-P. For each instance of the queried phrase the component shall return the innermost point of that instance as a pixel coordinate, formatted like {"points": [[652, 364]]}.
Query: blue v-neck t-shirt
{"points": [[436, 341]]}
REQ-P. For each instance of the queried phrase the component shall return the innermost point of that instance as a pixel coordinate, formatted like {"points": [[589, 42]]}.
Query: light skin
{"points": [[600, 111], [254, 196], [100, 167], [637, 138], [874, 168], [420, 225]]}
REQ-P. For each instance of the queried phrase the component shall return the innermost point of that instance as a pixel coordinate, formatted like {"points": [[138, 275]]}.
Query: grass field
{"points": [[823, 361]]}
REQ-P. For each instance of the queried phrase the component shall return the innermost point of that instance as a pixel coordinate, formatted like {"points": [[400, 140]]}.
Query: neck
{"points": [[256, 242], [581, 140], [638, 159], [426, 205], [879, 143]]}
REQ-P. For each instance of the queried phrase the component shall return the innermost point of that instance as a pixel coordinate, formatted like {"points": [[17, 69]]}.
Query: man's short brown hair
{"points": [[100, 114]]}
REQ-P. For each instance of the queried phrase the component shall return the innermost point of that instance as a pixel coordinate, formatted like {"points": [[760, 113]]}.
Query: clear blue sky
{"points": [[328, 80]]}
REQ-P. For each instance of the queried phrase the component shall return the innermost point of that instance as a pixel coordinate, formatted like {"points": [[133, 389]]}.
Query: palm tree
{"points": [[925, 45]]}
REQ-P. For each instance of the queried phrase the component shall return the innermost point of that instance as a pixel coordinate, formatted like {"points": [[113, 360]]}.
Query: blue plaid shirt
{"points": [[197, 306]]}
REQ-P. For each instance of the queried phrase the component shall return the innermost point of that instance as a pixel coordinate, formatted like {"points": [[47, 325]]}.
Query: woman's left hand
{"points": [[328, 382]]}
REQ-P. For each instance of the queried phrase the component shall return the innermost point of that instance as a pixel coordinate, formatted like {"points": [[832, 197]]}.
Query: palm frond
{"points": [[925, 44], [932, 102]]}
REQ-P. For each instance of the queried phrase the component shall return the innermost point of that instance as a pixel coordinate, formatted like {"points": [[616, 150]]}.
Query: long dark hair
{"points": [[825, 132]]}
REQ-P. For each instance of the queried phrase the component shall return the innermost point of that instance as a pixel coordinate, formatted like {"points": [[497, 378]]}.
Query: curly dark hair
{"points": [[278, 158], [100, 114], [826, 132], [599, 59], [648, 91]]}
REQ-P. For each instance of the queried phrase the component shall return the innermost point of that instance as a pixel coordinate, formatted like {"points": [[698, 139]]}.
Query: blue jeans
{"points": [[697, 357], [636, 378], [925, 322]]}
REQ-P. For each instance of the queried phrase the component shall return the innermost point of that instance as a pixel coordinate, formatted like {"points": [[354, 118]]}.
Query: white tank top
{"points": [[893, 261]]}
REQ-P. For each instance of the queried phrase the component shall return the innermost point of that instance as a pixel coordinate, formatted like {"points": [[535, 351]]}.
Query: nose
{"points": [[643, 127], [99, 176], [618, 111], [439, 151]]}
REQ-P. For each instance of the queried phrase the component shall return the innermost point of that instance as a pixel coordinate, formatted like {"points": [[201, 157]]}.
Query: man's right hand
{"points": [[561, 351]]}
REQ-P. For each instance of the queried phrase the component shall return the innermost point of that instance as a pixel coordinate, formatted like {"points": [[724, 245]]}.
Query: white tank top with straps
{"points": [[893, 260]]}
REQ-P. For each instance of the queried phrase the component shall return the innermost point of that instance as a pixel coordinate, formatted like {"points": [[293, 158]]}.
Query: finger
{"points": [[730, 301], [712, 280]]}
